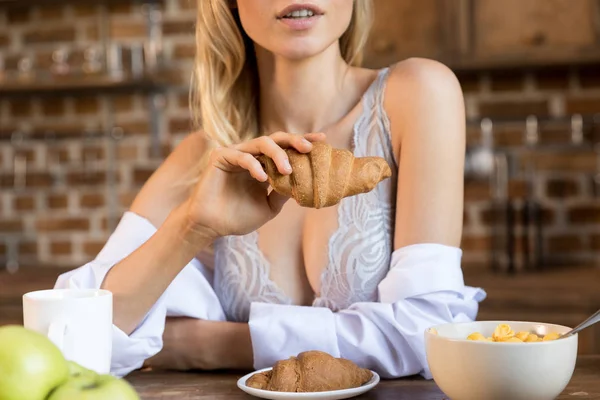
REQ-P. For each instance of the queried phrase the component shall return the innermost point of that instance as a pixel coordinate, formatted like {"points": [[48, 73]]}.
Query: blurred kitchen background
{"points": [[94, 95]]}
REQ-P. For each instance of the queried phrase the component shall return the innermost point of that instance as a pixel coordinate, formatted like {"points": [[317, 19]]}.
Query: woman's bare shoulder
{"points": [[422, 73], [166, 188], [420, 88]]}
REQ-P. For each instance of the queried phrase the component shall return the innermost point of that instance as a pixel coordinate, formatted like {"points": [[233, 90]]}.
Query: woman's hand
{"points": [[194, 344], [231, 197]]}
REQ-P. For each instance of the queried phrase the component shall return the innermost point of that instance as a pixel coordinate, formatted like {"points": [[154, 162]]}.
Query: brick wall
{"points": [[73, 193], [564, 173]]}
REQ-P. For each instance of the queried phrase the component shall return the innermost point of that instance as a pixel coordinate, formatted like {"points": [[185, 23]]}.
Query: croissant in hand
{"points": [[311, 371], [325, 175]]}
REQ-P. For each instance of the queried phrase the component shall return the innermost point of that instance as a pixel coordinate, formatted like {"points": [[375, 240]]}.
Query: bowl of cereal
{"points": [[501, 359]]}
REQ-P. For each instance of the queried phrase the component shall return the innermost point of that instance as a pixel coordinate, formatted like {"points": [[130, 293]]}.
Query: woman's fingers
{"points": [[288, 140], [302, 143], [243, 155], [314, 137], [267, 146], [252, 165], [273, 147], [229, 159]]}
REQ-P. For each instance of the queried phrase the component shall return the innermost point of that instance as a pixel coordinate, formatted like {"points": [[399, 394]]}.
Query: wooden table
{"points": [[585, 384]]}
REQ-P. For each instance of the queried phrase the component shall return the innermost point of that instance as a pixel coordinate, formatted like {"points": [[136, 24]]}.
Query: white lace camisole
{"points": [[359, 251]]}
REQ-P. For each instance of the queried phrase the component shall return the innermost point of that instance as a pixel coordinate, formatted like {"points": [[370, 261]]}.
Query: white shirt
{"points": [[424, 287]]}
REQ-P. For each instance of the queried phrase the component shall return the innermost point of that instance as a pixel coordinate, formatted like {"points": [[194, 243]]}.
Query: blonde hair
{"points": [[225, 79]]}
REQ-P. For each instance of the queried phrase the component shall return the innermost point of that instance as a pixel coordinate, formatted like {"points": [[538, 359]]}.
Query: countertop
{"points": [[214, 386]]}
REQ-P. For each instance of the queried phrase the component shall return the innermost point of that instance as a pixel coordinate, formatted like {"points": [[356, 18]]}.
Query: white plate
{"points": [[329, 395]]}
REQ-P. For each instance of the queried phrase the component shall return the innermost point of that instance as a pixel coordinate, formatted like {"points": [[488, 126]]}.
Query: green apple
{"points": [[99, 387], [30, 364], [76, 370]]}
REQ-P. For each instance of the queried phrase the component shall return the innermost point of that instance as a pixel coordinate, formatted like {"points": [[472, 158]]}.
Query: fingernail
{"points": [[287, 165], [306, 142]]}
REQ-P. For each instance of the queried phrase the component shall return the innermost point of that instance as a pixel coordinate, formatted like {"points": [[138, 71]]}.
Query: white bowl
{"points": [[476, 370]]}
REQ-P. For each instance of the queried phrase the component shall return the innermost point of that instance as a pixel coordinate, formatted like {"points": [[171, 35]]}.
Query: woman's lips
{"points": [[300, 7], [300, 24], [300, 16]]}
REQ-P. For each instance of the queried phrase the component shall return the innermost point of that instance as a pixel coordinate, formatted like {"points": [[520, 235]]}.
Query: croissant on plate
{"points": [[311, 371], [325, 175]]}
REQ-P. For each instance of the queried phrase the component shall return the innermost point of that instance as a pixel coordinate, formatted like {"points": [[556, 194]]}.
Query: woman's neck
{"points": [[303, 96]]}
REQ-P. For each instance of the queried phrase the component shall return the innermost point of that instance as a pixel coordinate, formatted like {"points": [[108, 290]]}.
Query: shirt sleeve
{"points": [[190, 294], [424, 287]]}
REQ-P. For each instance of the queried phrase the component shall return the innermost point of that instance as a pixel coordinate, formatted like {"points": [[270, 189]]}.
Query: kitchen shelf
{"points": [[28, 3], [526, 62], [149, 82], [499, 121], [36, 136], [590, 130]]}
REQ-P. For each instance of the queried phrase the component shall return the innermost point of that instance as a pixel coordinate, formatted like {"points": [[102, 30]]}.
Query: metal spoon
{"points": [[585, 324], [542, 330]]}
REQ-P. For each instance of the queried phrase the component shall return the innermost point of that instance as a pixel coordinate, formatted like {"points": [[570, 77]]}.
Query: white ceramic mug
{"points": [[77, 321]]}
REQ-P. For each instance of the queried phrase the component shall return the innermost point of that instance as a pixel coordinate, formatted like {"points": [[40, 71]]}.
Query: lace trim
{"points": [[359, 250], [245, 278]]}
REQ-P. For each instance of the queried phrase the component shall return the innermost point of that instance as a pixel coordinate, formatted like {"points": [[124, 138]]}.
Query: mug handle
{"points": [[56, 334]]}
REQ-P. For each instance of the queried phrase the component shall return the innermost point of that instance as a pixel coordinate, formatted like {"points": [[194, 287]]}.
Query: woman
{"points": [[360, 280]]}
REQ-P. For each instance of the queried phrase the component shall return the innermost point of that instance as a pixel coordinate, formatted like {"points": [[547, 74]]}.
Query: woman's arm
{"points": [[425, 105], [199, 344], [138, 280], [142, 277], [230, 197], [190, 294]]}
